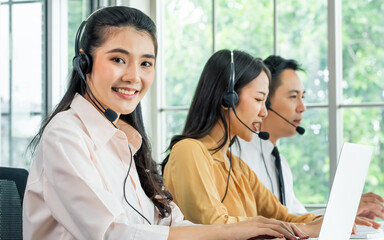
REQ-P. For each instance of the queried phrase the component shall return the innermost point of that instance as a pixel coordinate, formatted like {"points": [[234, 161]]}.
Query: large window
{"points": [[183, 64], [308, 155], [67, 16], [36, 46], [307, 31], [192, 32], [37, 40], [22, 71], [363, 85]]}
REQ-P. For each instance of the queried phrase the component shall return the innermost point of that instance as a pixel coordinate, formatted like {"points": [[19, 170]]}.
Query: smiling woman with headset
{"points": [[93, 176], [208, 183]]}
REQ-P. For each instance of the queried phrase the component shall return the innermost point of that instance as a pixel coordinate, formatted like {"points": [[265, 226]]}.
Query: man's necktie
{"points": [[276, 154]]}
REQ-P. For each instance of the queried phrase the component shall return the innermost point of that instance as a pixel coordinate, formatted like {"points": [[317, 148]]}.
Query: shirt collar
{"points": [[217, 155], [99, 128], [133, 135], [267, 145], [211, 145]]}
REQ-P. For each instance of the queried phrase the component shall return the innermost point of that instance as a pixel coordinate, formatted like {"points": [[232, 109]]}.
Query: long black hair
{"points": [[98, 27], [206, 107]]}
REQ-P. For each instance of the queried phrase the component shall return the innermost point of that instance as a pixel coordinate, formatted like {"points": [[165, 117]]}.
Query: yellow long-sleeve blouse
{"points": [[196, 176]]}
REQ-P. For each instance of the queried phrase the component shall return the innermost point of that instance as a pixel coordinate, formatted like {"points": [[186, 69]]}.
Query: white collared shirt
{"points": [[258, 155], [75, 184]]}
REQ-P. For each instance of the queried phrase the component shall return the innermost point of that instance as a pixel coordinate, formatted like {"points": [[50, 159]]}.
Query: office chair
{"points": [[12, 187]]}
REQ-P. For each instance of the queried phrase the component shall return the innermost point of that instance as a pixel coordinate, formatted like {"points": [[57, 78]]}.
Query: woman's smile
{"points": [[126, 93]]}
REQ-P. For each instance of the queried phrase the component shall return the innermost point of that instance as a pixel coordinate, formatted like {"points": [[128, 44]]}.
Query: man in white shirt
{"points": [[285, 111]]}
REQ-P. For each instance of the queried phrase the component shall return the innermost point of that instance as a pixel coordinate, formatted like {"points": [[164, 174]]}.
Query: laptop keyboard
{"points": [[365, 232], [368, 232]]}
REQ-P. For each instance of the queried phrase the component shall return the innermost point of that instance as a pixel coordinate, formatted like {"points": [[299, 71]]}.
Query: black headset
{"points": [[82, 62], [231, 98]]}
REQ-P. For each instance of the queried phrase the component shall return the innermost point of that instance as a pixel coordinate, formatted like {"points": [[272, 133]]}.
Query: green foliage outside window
{"points": [[363, 70], [302, 35]]}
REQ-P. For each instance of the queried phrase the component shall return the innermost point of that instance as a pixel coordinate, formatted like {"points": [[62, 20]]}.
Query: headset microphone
{"points": [[262, 135], [110, 114], [299, 130]]}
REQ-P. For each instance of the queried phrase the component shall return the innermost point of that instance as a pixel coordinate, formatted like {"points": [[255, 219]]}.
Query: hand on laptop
{"points": [[312, 229], [371, 206], [268, 228], [366, 222]]}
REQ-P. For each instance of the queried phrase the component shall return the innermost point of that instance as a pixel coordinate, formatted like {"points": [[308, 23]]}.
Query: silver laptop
{"points": [[345, 194]]}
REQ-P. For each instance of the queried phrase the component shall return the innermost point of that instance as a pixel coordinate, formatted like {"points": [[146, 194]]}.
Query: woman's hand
{"points": [[256, 228], [263, 228], [371, 206], [366, 222], [311, 229]]}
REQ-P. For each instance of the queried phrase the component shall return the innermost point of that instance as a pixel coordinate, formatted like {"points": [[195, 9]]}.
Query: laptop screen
{"points": [[346, 190]]}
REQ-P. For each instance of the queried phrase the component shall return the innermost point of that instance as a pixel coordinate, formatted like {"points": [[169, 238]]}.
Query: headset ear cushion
{"points": [[76, 64], [82, 64], [230, 99], [85, 63], [235, 98]]}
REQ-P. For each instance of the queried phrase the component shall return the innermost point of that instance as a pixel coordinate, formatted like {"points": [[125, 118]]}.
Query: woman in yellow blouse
{"points": [[196, 171]]}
